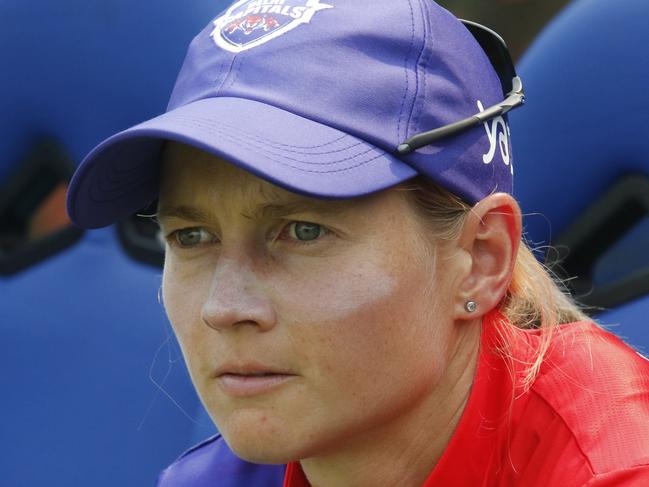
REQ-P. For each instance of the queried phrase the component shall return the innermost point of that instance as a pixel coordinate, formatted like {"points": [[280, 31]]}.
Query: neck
{"points": [[404, 451]]}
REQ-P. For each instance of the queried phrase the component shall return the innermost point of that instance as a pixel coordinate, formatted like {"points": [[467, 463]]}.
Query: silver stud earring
{"points": [[471, 306]]}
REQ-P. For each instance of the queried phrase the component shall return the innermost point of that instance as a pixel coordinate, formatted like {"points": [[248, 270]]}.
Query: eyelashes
{"points": [[295, 232], [191, 237], [304, 232]]}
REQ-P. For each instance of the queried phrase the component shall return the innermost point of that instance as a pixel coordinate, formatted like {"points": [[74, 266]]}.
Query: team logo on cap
{"points": [[250, 23]]}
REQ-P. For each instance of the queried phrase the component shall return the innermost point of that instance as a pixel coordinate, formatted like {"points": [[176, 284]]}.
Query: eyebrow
{"points": [[276, 210], [272, 210], [189, 213]]}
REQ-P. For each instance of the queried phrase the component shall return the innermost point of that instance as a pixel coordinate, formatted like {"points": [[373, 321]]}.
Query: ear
{"points": [[490, 237]]}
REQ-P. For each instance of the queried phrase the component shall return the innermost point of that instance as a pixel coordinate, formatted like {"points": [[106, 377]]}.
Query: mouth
{"points": [[251, 380]]}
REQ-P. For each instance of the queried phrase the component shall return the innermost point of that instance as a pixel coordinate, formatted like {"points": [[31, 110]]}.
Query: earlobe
{"points": [[491, 235]]}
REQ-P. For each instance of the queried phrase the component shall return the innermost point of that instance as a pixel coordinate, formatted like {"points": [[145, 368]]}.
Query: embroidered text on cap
{"points": [[250, 23]]}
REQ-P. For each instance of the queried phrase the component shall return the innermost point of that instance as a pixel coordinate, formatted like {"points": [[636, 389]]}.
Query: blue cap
{"points": [[316, 96]]}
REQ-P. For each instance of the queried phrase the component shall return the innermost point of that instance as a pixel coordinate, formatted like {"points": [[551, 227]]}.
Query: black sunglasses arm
{"points": [[514, 99]]}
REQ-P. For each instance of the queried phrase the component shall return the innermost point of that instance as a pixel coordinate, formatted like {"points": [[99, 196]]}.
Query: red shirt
{"points": [[583, 422]]}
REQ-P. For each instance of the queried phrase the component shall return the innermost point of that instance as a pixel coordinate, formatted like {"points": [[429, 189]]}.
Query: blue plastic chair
{"points": [[94, 390], [582, 146]]}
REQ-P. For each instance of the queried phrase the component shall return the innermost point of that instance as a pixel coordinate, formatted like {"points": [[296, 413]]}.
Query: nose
{"points": [[237, 298]]}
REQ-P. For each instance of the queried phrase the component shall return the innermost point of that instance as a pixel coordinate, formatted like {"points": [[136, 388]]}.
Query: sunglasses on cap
{"points": [[496, 50]]}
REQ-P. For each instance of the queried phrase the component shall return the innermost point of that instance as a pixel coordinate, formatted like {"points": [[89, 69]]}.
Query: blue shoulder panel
{"points": [[211, 464]]}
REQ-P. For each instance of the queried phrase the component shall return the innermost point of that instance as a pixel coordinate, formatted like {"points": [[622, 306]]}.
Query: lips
{"points": [[251, 379], [249, 369]]}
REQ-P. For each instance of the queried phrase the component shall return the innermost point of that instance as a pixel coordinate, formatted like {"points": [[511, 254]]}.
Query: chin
{"points": [[260, 440], [260, 450]]}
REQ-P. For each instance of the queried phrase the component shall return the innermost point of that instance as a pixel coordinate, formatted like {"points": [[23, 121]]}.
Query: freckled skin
{"points": [[363, 317]]}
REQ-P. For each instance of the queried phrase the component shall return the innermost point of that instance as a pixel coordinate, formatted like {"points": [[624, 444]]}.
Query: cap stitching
{"points": [[228, 71], [208, 122], [331, 171], [274, 143], [268, 155], [419, 58], [280, 144], [423, 58], [221, 71], [405, 68], [344, 135], [245, 139], [235, 74], [345, 169]]}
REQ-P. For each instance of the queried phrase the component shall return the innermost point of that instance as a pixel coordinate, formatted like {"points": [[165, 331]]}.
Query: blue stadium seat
{"points": [[582, 146], [94, 390]]}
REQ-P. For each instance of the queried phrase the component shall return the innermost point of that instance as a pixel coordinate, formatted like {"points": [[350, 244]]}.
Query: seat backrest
{"points": [[582, 143], [94, 389]]}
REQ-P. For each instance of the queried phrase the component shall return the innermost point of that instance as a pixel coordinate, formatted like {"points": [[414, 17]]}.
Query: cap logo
{"points": [[497, 139], [251, 23]]}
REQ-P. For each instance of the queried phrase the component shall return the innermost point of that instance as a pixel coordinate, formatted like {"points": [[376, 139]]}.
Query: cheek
{"points": [[364, 325], [184, 292], [176, 295], [333, 293], [372, 346]]}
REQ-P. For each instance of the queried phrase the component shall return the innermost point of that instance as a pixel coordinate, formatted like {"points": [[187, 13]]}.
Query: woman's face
{"points": [[306, 324]]}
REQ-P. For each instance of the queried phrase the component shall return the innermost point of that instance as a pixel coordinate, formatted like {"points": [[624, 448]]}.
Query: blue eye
{"points": [[305, 231], [192, 237]]}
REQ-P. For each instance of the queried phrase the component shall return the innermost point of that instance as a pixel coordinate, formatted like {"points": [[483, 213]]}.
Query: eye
{"points": [[305, 231], [191, 237]]}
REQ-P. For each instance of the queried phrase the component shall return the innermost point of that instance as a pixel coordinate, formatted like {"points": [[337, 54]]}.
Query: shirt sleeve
{"points": [[629, 477]]}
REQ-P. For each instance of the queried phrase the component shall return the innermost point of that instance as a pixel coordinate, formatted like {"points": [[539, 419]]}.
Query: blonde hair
{"points": [[535, 298]]}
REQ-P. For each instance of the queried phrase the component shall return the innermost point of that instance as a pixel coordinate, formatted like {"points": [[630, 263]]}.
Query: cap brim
{"points": [[121, 175]]}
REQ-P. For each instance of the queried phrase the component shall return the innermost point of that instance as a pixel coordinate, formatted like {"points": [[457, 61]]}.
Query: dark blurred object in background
{"points": [[583, 152], [517, 21]]}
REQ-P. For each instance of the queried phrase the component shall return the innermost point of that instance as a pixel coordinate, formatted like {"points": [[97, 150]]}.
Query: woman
{"points": [[344, 268]]}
